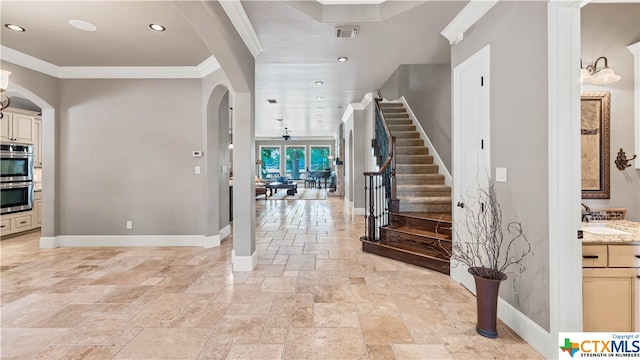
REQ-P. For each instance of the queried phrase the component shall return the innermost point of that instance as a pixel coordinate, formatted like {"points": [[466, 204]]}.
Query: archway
{"points": [[48, 228], [216, 190]]}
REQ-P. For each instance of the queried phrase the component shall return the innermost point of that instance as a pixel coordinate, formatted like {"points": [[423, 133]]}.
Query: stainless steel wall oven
{"points": [[16, 196], [16, 162], [16, 177]]}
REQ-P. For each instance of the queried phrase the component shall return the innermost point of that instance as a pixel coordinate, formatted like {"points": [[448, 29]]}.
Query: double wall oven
{"points": [[16, 177]]}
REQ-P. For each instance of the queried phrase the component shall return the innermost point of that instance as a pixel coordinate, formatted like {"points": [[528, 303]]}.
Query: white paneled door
{"points": [[471, 155]]}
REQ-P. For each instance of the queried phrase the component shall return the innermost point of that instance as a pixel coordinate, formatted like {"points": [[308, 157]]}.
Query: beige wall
{"points": [[427, 89], [607, 30], [517, 33]]}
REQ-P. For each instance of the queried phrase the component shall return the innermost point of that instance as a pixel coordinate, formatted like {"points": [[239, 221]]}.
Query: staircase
{"points": [[420, 232]]}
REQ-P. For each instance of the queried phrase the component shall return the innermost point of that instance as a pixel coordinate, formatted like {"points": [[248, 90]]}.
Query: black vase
{"points": [[487, 302]]}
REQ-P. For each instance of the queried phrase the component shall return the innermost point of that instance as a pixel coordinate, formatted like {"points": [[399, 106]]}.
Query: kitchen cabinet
{"points": [[37, 208], [37, 143], [17, 126], [608, 286], [24, 220]]}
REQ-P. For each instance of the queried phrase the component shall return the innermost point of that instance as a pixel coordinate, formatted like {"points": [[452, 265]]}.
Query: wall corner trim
{"points": [[468, 16], [243, 25], [635, 50], [244, 263]]}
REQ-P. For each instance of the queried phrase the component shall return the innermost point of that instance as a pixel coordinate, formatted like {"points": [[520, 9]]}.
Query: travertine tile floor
{"points": [[314, 295]]}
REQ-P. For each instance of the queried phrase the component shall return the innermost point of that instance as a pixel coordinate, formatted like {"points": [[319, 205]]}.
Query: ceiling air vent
{"points": [[347, 31]]}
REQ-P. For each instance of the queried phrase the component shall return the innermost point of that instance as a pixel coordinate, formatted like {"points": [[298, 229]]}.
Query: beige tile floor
{"points": [[313, 295]]}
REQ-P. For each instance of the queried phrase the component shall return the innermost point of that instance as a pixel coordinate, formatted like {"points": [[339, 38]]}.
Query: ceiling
{"points": [[300, 48]]}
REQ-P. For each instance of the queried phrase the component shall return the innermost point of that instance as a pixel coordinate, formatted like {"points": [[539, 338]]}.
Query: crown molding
{"points": [[28, 61], [243, 25], [203, 69], [468, 16]]}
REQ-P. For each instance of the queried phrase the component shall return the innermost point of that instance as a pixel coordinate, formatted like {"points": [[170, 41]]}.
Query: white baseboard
{"points": [[211, 241], [48, 242], [526, 328], [127, 240], [244, 263], [224, 232], [358, 211]]}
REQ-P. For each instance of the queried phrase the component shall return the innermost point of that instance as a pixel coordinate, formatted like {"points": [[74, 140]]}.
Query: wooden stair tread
{"points": [[442, 217], [422, 233], [407, 256], [429, 199]]}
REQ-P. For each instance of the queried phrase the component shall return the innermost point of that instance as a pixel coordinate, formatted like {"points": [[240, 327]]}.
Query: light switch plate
{"points": [[197, 170], [501, 174]]}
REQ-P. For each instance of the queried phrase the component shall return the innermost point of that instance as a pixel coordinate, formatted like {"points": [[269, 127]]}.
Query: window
{"points": [[295, 160], [270, 156], [319, 157]]}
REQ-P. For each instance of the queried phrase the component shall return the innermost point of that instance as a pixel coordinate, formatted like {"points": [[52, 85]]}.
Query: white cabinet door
{"points": [[5, 126], [23, 128]]}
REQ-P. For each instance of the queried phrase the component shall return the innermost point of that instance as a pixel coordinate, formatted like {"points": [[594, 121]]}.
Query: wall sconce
{"points": [[622, 162], [4, 83], [592, 74]]}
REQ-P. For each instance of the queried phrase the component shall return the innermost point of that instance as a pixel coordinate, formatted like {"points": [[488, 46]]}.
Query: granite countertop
{"points": [[632, 230]]}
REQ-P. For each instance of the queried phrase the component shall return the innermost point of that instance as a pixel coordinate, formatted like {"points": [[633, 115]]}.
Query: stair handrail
{"points": [[390, 160], [388, 183]]}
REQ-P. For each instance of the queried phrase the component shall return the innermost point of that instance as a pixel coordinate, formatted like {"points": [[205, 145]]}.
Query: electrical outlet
{"points": [[197, 170], [129, 224]]}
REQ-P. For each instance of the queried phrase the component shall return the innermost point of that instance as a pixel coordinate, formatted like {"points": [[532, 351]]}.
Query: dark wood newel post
{"points": [[371, 224]]}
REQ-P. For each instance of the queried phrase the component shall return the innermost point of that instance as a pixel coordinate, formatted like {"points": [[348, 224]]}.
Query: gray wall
{"points": [[607, 30], [125, 153], [517, 33], [427, 89]]}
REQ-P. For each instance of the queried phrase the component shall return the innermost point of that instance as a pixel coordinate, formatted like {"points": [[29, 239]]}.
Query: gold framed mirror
{"points": [[594, 139]]}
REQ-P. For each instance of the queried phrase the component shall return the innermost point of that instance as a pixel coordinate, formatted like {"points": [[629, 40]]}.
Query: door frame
{"points": [[459, 272]]}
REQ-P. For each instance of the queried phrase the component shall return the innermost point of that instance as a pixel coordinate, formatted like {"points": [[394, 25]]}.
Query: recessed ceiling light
{"points": [[272, 101], [318, 97], [15, 27], [157, 27], [319, 82], [343, 59], [339, 107], [319, 114], [82, 25], [319, 107]]}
